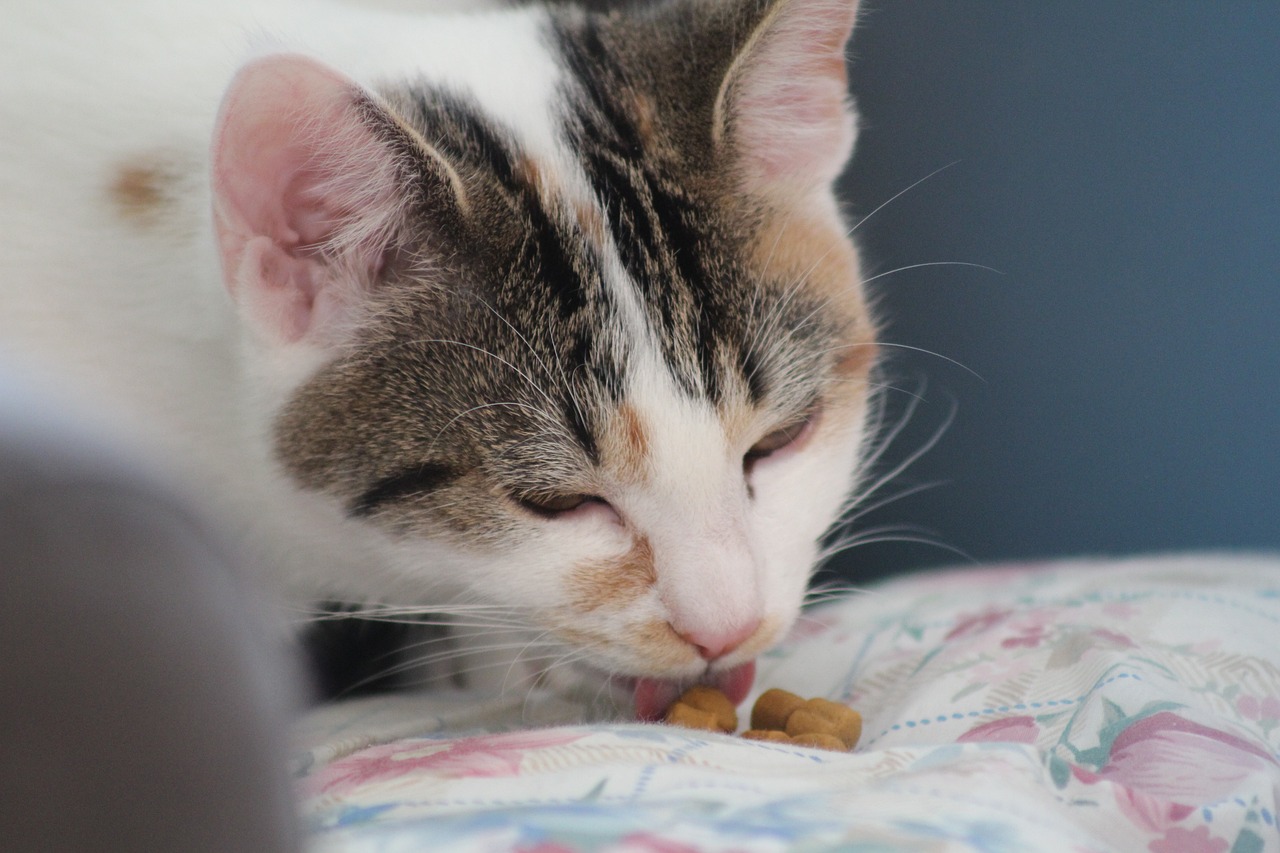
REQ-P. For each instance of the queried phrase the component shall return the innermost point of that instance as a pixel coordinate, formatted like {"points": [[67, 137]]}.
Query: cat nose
{"points": [[713, 644]]}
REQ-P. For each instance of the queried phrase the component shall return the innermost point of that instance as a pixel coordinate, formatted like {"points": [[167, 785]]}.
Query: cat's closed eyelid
{"points": [[786, 439], [563, 506]]}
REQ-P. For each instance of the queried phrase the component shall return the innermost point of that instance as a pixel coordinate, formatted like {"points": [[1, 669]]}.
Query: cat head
{"points": [[605, 361]]}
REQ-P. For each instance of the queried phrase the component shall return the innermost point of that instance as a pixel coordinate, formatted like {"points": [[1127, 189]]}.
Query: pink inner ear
{"points": [[789, 106], [302, 193]]}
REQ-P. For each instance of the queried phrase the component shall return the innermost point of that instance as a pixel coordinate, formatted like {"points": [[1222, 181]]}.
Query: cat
{"points": [[543, 315]]}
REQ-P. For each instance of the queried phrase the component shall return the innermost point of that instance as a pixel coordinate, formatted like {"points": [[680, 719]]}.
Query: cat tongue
{"points": [[653, 695]]}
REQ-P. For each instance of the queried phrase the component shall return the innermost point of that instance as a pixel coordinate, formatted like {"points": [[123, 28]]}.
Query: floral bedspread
{"points": [[1102, 706]]}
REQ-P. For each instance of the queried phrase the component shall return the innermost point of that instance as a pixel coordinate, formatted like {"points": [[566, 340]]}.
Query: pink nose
{"points": [[716, 644]]}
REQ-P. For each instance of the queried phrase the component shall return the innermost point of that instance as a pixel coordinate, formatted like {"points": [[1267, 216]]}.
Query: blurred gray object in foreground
{"points": [[142, 707]]}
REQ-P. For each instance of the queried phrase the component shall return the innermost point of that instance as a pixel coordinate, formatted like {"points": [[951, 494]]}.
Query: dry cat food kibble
{"points": [[778, 716], [703, 707]]}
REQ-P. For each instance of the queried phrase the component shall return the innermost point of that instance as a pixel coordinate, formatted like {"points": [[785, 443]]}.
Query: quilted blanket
{"points": [[1085, 706]]}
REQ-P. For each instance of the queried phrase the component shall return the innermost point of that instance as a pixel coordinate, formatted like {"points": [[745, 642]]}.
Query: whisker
{"points": [[860, 502], [898, 195], [425, 620], [515, 661], [775, 316], [848, 517], [842, 543], [373, 611], [853, 592], [488, 353], [859, 497], [958, 364], [886, 438], [818, 261], [919, 540], [422, 661], [564, 380], [517, 332], [541, 414], [758, 290], [932, 264], [837, 588]]}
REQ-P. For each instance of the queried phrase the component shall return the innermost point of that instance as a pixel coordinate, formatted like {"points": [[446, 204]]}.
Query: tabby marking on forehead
{"points": [[623, 262], [500, 357], [706, 266]]}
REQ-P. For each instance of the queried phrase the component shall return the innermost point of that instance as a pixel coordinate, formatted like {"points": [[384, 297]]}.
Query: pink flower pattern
{"points": [[968, 626], [1181, 761], [1029, 639], [1020, 729], [1195, 840], [1258, 707], [1115, 638], [643, 842], [486, 756]]}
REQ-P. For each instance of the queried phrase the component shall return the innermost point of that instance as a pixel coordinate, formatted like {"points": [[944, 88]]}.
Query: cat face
{"points": [[620, 376]]}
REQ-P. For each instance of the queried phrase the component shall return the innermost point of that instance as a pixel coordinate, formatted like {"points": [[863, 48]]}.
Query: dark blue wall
{"points": [[1119, 163]]}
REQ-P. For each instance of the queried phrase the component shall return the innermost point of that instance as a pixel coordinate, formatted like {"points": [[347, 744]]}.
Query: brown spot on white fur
{"points": [[140, 191], [576, 637], [613, 583]]}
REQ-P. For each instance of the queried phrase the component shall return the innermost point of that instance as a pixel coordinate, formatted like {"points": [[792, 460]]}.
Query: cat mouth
{"points": [[652, 696]]}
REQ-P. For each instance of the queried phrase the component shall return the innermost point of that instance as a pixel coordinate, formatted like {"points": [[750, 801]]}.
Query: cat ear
{"points": [[306, 196], [784, 106]]}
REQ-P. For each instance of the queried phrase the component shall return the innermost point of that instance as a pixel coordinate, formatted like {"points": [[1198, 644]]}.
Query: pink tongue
{"points": [[653, 695]]}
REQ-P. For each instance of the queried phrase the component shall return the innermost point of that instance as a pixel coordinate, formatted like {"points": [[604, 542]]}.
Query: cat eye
{"points": [[793, 435], [551, 505]]}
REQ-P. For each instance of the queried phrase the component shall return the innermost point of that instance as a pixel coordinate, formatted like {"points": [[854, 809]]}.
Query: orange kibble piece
{"points": [[681, 714], [778, 716], [767, 734], [847, 722], [803, 721], [820, 741], [712, 701], [773, 708], [822, 716]]}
